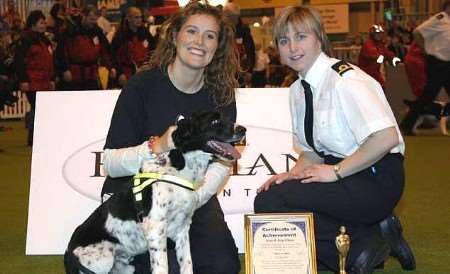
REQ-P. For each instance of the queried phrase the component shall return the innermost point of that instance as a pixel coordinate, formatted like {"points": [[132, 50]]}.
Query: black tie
{"points": [[309, 116]]}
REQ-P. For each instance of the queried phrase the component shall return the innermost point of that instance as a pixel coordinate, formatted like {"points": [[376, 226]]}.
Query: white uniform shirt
{"points": [[347, 109], [436, 32]]}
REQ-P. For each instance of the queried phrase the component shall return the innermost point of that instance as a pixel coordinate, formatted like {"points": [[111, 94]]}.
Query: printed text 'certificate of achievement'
{"points": [[280, 244]]}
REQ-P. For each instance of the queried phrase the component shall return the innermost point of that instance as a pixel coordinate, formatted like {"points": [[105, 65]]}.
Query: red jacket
{"points": [[81, 51], [368, 56], [415, 69], [131, 49], [34, 61]]}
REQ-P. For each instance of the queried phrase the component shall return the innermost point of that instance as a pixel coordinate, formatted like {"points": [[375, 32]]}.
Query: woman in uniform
{"points": [[350, 168]]}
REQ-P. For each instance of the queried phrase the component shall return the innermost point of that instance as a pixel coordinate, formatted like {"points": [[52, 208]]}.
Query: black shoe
{"points": [[391, 230], [371, 257]]}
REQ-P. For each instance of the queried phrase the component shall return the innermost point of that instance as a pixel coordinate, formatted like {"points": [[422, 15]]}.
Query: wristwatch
{"points": [[336, 169]]}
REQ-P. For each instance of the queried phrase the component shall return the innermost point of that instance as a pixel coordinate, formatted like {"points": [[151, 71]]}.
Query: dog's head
{"points": [[206, 131]]}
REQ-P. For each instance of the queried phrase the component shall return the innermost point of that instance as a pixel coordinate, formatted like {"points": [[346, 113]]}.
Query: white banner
{"points": [[67, 176]]}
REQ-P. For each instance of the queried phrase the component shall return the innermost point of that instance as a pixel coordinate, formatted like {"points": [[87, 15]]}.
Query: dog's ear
{"points": [[180, 135], [177, 159], [179, 118]]}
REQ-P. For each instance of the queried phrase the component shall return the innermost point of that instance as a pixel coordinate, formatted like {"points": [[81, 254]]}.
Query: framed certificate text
{"points": [[280, 244]]}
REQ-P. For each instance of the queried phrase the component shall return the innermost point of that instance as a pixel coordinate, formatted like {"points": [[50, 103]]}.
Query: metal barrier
{"points": [[348, 54], [18, 110]]}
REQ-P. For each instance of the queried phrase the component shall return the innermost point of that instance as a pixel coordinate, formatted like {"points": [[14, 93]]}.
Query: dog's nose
{"points": [[240, 129]]}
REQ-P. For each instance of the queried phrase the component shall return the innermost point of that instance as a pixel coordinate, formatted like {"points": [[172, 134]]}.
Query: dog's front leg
{"points": [[214, 178], [156, 234], [183, 250]]}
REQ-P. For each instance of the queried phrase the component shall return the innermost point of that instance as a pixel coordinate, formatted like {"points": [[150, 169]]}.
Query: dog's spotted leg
{"points": [[158, 249], [183, 250], [156, 235], [98, 257]]}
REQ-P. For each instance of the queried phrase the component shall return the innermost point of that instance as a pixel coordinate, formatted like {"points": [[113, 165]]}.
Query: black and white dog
{"points": [[159, 205]]}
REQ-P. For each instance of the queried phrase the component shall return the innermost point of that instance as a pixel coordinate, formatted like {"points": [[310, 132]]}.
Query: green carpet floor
{"points": [[424, 209]]}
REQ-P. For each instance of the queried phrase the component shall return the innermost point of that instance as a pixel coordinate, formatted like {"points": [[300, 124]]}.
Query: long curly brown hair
{"points": [[220, 74]]}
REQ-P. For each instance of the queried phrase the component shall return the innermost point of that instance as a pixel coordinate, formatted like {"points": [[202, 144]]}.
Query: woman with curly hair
{"points": [[193, 69]]}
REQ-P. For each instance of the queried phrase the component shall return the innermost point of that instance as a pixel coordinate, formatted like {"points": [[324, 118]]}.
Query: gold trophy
{"points": [[342, 245]]}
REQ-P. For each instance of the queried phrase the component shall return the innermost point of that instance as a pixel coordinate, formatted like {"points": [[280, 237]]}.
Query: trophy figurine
{"points": [[342, 245]]}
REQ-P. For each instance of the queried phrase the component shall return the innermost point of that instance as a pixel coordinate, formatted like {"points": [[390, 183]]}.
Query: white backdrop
{"points": [[66, 172]]}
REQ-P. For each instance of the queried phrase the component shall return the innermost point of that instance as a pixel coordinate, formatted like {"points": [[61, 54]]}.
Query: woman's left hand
{"points": [[319, 173]]}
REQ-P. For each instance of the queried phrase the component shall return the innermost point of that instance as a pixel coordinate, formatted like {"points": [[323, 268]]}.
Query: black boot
{"points": [[371, 257], [410, 119], [391, 230]]}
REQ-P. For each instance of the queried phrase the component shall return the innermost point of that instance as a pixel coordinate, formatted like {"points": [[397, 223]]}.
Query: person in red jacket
{"points": [[131, 45], [81, 50], [415, 69], [374, 53], [34, 63]]}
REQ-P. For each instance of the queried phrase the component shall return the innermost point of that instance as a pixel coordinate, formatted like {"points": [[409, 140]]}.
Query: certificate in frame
{"points": [[281, 243]]}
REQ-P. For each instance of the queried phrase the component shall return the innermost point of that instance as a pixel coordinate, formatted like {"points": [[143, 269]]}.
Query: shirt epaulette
{"points": [[439, 16], [341, 67]]}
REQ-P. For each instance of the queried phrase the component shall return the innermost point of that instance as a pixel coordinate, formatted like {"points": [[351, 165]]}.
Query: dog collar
{"points": [[140, 183]]}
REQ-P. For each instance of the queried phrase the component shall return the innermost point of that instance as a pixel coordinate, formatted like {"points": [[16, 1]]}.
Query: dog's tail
{"points": [[73, 266]]}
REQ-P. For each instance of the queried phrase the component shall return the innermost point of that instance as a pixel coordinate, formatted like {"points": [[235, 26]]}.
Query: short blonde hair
{"points": [[306, 17]]}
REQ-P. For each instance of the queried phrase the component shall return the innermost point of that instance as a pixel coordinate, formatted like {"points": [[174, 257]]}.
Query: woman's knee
{"points": [[267, 201]]}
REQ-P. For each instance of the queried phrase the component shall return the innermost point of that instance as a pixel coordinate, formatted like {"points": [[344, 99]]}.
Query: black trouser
{"points": [[29, 117], [212, 246], [358, 202], [438, 76]]}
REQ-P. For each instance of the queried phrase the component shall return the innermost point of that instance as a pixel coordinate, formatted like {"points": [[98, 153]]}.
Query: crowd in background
{"points": [[261, 65], [86, 52]]}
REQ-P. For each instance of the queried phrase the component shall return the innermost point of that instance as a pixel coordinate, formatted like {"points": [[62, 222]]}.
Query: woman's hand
{"points": [[277, 179], [318, 173], [165, 142]]}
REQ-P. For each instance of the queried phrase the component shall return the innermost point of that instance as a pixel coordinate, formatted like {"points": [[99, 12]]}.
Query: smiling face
{"points": [[196, 42], [299, 48]]}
